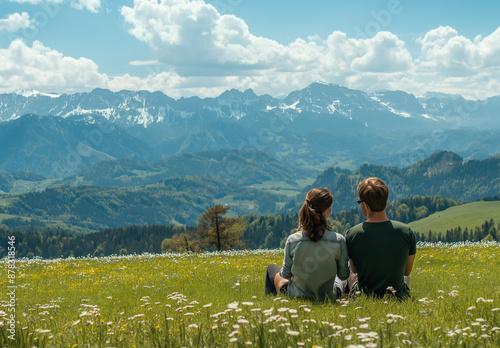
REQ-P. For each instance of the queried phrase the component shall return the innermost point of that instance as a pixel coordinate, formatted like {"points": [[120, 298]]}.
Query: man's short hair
{"points": [[373, 192]]}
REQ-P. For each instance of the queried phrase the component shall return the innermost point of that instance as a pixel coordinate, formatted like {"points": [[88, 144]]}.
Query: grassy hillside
{"points": [[171, 201], [443, 173], [466, 215]]}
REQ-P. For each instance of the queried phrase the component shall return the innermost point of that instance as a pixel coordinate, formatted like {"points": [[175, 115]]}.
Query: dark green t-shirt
{"points": [[379, 251]]}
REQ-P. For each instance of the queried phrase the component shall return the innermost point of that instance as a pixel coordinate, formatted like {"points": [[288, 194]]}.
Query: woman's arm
{"points": [[286, 269]]}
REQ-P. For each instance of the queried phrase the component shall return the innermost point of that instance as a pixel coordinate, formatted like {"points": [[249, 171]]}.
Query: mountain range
{"points": [[310, 130], [146, 109]]}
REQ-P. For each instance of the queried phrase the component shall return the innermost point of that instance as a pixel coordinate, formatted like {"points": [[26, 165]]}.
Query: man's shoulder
{"points": [[355, 229], [352, 232], [401, 226]]}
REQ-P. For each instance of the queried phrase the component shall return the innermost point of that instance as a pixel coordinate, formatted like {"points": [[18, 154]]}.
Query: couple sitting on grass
{"points": [[380, 251]]}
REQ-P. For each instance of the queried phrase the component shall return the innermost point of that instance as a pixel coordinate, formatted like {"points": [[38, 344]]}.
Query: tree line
{"points": [[111, 241], [487, 231]]}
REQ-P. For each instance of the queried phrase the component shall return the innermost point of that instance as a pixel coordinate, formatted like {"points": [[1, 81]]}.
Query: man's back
{"points": [[379, 251]]}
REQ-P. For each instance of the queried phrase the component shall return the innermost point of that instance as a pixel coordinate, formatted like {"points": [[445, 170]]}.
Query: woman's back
{"points": [[313, 256], [313, 266]]}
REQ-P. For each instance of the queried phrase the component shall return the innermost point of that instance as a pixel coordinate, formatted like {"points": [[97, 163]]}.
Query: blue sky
{"points": [[186, 48]]}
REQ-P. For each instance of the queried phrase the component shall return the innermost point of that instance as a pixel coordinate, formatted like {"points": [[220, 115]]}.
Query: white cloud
{"points": [[384, 53], [144, 62], [33, 2], [42, 68], [91, 5], [183, 34], [164, 81], [198, 51], [16, 21], [39, 67], [193, 39], [450, 54], [36, 2]]}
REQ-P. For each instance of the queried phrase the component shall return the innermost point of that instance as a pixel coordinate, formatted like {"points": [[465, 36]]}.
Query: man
{"points": [[381, 251]]}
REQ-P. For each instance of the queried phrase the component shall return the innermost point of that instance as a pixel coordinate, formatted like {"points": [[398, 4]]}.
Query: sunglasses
{"points": [[359, 201]]}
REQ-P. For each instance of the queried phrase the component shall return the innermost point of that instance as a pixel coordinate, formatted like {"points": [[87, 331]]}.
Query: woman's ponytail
{"points": [[312, 220]]}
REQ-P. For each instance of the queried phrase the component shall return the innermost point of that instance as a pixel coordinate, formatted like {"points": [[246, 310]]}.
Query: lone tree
{"points": [[223, 233]]}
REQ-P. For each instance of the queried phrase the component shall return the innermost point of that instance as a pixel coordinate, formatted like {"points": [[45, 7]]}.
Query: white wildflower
{"points": [[232, 305], [234, 333], [481, 299], [136, 316]]}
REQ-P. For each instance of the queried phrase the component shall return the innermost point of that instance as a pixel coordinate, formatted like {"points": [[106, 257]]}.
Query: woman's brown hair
{"points": [[312, 220]]}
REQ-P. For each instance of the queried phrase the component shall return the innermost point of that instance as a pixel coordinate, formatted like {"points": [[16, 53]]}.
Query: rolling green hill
{"points": [[467, 215], [443, 173], [169, 201], [240, 167]]}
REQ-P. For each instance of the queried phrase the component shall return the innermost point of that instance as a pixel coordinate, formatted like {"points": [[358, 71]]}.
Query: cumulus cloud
{"points": [[198, 51], [193, 38], [16, 21], [163, 81], [184, 33], [39, 67], [42, 68], [451, 54], [383, 53]]}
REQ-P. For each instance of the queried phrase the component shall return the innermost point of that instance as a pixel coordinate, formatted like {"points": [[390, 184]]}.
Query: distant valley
{"points": [[125, 192]]}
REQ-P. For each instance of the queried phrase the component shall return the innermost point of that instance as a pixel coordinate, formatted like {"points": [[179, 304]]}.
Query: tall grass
{"points": [[217, 300]]}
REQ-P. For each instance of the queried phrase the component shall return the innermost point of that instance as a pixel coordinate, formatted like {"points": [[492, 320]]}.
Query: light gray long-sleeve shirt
{"points": [[312, 266]]}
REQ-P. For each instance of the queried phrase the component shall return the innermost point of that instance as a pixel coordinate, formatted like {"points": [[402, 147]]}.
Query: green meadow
{"points": [[467, 215], [217, 300]]}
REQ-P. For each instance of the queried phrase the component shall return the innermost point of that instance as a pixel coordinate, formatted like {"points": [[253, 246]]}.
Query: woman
{"points": [[314, 255]]}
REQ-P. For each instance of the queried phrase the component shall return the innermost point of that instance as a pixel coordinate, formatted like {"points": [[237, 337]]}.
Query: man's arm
{"points": [[351, 266], [409, 264]]}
